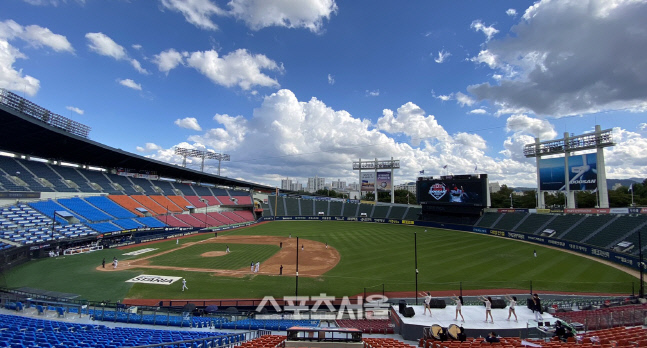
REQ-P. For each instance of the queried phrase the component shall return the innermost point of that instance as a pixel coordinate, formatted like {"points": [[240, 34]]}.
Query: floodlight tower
{"points": [[184, 152]]}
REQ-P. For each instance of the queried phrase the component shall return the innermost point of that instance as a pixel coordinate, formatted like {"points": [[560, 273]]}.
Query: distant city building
{"points": [[338, 185], [410, 186], [495, 187], [316, 183], [295, 186], [286, 184], [353, 187]]}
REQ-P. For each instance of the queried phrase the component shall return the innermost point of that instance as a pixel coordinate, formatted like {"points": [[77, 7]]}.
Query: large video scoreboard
{"points": [[453, 190]]}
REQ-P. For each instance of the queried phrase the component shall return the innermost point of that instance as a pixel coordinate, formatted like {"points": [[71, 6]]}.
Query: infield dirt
{"points": [[314, 260]]}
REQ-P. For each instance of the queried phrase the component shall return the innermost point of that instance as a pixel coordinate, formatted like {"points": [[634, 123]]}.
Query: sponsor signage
{"points": [[368, 181], [383, 181], [17, 194], [512, 210], [582, 173], [586, 211], [154, 279]]}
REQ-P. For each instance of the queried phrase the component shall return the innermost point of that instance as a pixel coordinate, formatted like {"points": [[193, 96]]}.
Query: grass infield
{"points": [[371, 255]]}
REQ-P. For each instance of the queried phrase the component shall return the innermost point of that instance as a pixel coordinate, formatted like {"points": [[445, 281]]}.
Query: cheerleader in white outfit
{"points": [[488, 307], [513, 303], [459, 304]]}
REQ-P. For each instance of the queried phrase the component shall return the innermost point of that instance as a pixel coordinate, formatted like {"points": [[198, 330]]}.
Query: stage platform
{"points": [[474, 325]]}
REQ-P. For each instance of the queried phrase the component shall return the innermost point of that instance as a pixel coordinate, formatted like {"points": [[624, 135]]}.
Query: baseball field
{"points": [[336, 258]]}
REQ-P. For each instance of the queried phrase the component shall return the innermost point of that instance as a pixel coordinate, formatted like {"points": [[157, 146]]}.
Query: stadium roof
{"points": [[23, 134]]}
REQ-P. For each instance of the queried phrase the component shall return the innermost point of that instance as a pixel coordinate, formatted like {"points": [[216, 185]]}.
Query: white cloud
{"points": [[230, 136], [411, 121], [75, 109], [136, 46], [36, 36], [258, 14], [486, 57], [564, 69], [628, 158], [489, 32], [511, 12], [464, 99], [130, 84], [478, 111], [513, 148], [135, 63], [12, 79], [196, 12], [306, 138], [373, 93], [442, 56], [642, 127], [102, 44], [105, 46], [442, 97], [188, 123], [149, 147], [541, 129], [238, 68], [331, 79], [168, 60]]}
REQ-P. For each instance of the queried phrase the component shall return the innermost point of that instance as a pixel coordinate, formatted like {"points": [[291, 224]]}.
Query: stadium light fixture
{"points": [[184, 152]]}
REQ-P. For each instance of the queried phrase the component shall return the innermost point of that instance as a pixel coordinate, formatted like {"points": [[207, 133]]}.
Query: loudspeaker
{"points": [[498, 303], [530, 303], [437, 303], [408, 312], [401, 306]]}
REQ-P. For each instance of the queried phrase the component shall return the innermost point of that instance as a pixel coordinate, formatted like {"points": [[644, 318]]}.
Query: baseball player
{"points": [[251, 267], [258, 265], [184, 284]]}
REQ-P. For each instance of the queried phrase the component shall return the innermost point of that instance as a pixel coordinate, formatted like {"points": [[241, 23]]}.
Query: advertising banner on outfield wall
{"points": [[626, 260], [582, 173]]}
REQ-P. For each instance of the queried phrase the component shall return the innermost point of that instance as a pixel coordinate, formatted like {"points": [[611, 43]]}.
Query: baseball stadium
{"points": [[105, 248]]}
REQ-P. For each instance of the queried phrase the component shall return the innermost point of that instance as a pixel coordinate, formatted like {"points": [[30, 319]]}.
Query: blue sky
{"points": [[298, 88]]}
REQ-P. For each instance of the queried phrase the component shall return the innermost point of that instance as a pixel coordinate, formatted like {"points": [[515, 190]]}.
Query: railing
{"points": [[212, 342], [607, 317], [27, 107]]}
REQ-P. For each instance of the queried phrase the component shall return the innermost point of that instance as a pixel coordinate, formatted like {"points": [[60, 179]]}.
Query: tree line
{"points": [[618, 198]]}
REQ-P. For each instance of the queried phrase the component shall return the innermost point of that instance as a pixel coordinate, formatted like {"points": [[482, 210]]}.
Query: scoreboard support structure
{"points": [[566, 146]]}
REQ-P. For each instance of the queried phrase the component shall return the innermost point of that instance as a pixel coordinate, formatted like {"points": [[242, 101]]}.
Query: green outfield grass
{"points": [[371, 255]]}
